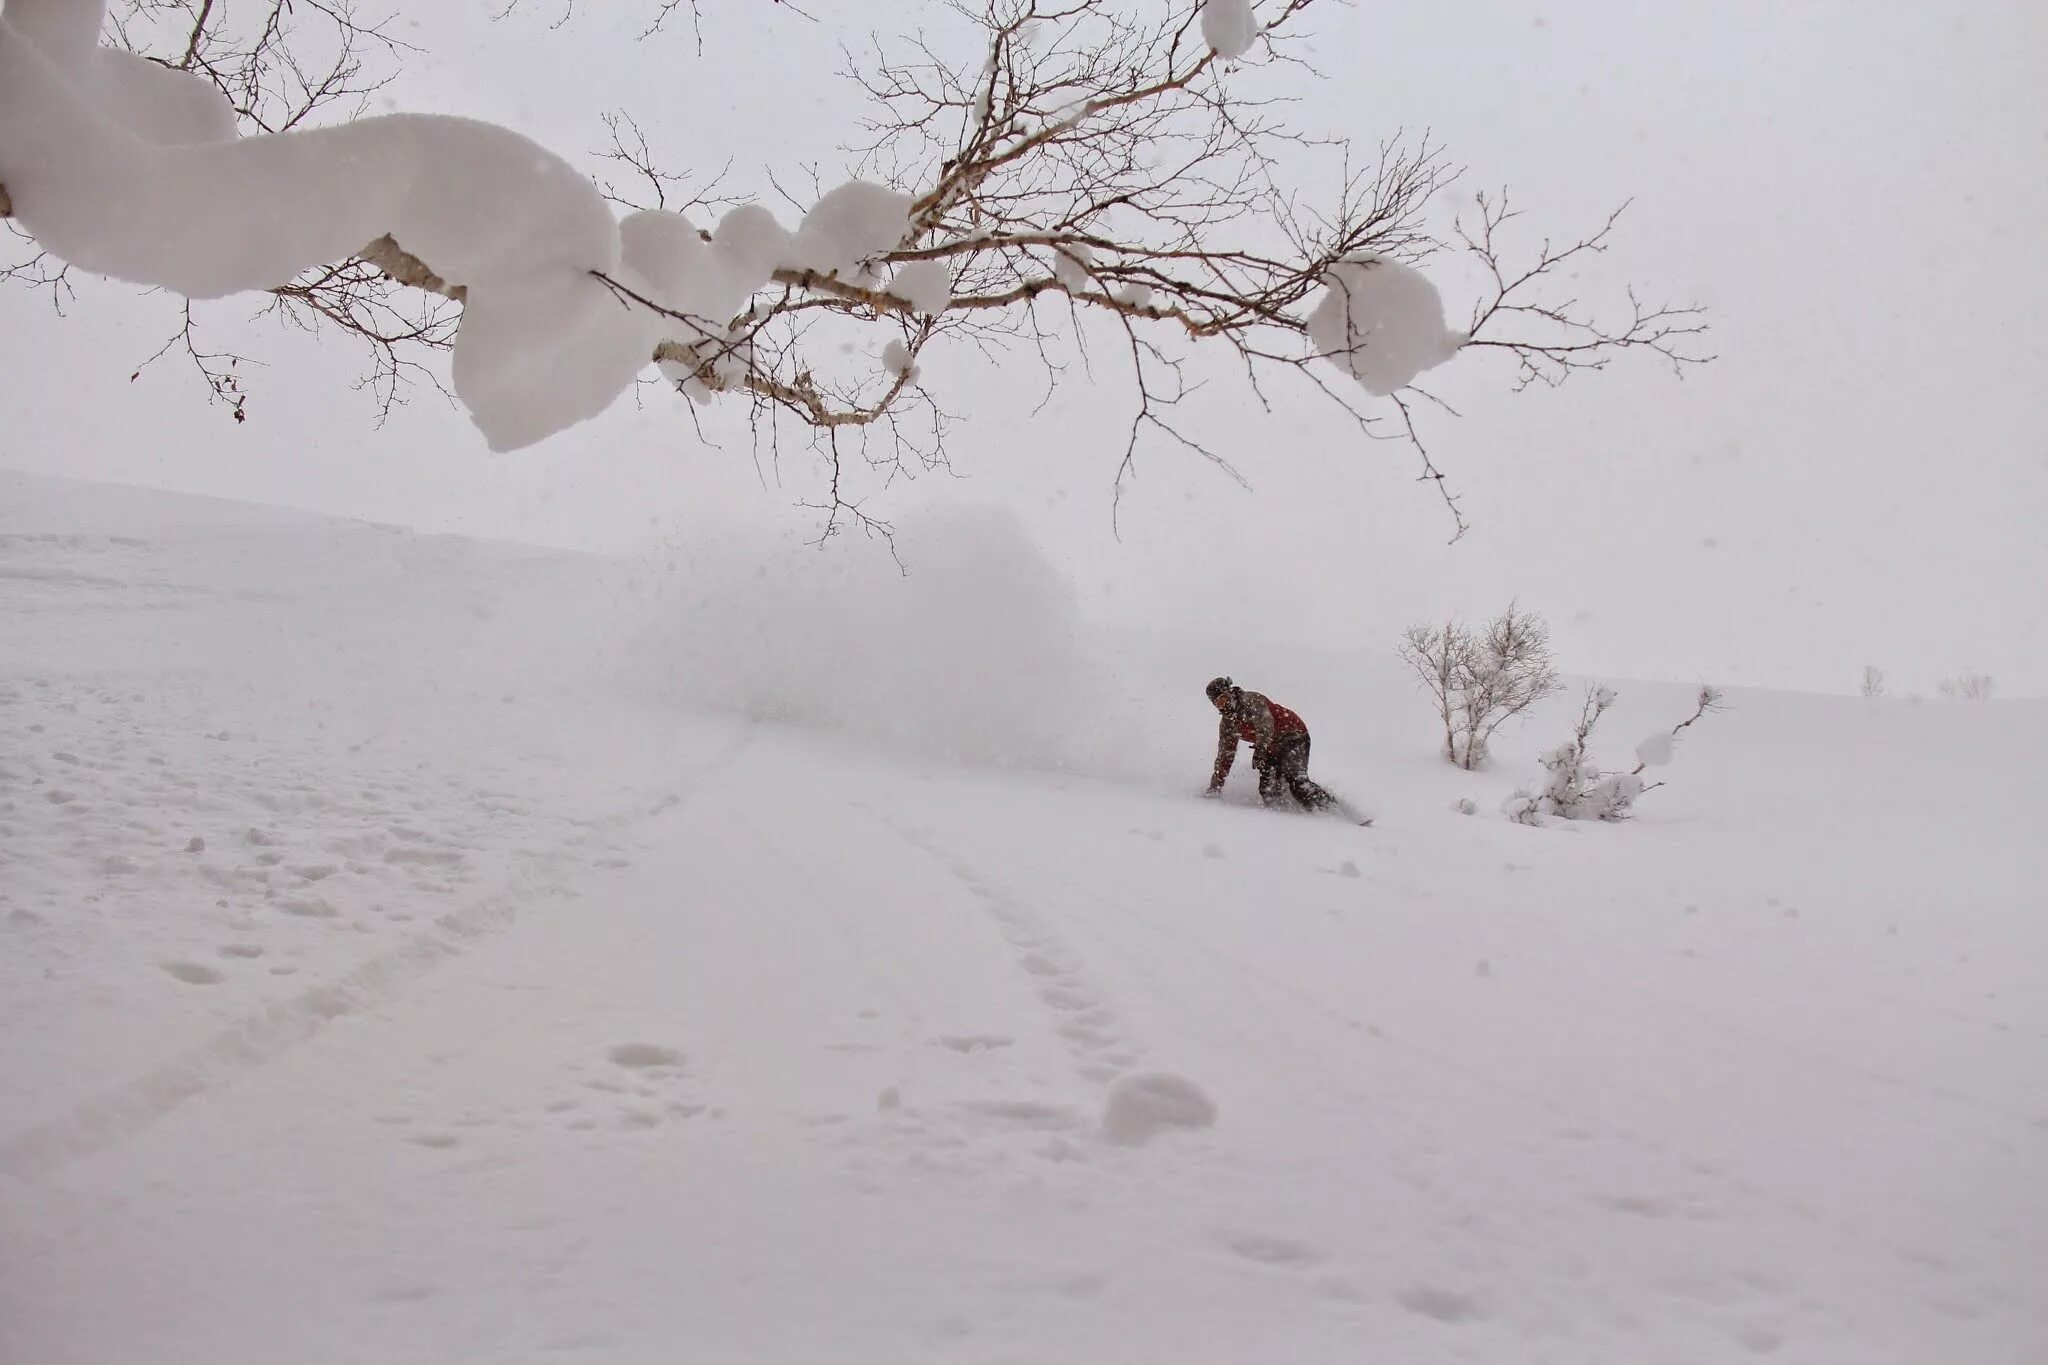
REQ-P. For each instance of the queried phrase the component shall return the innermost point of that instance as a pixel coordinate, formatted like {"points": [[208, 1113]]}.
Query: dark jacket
{"points": [[1255, 719]]}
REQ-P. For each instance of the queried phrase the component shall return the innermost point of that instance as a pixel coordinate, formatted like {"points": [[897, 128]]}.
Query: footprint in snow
{"points": [[1282, 1252], [646, 1056], [652, 1065], [424, 857], [439, 1142], [1635, 1205], [1026, 1113], [1759, 1339], [1142, 1106], [973, 1042], [1067, 998], [1444, 1305]]}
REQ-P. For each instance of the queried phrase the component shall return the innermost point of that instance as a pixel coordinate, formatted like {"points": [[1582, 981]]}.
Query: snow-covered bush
{"points": [[1576, 788], [1967, 685], [1481, 679], [211, 149], [1873, 681]]}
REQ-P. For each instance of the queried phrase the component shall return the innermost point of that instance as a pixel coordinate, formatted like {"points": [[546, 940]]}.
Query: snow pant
{"points": [[1286, 771]]}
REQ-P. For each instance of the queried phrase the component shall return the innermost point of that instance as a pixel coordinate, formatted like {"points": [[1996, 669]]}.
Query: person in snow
{"points": [[1279, 740]]}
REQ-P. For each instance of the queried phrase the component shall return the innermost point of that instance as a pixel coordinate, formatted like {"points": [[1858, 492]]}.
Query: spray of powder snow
{"points": [[974, 652]]}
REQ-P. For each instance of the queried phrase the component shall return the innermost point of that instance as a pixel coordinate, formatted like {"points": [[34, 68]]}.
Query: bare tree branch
{"points": [[220, 371]]}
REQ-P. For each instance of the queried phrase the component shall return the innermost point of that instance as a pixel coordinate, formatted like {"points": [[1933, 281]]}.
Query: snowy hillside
{"points": [[421, 950]]}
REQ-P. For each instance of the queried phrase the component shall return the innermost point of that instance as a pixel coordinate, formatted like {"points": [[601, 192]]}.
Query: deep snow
{"points": [[414, 949]]}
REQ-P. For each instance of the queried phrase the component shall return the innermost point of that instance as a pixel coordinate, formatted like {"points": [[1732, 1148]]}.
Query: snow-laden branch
{"points": [[131, 170], [1093, 157]]}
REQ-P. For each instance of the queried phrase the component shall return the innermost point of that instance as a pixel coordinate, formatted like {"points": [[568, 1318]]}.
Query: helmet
{"points": [[1218, 686]]}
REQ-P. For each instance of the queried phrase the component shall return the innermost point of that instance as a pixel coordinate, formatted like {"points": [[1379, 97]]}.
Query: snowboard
{"points": [[1338, 809]]}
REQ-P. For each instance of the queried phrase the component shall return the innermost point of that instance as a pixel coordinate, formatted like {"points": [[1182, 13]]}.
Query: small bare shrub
{"points": [[1967, 685], [1481, 679]]}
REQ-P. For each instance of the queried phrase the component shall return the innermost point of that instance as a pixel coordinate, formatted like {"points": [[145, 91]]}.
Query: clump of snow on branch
{"points": [[897, 361], [756, 241], [1382, 323], [1071, 263], [850, 225], [707, 280], [926, 286], [1228, 27]]}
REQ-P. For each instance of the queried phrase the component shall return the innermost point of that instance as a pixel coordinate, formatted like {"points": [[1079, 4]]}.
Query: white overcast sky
{"points": [[1859, 192]]}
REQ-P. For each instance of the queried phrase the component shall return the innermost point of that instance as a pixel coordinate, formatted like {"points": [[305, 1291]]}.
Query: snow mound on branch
{"points": [[674, 259], [1228, 27], [117, 167], [749, 238], [896, 360], [853, 223], [1382, 323], [1071, 264], [708, 280], [926, 286], [164, 107], [129, 169]]}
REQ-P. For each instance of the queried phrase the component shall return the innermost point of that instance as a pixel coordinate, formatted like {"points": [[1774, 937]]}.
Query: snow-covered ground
{"points": [[414, 949]]}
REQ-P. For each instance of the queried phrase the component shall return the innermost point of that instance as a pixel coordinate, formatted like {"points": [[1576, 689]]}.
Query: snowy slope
{"points": [[421, 950]]}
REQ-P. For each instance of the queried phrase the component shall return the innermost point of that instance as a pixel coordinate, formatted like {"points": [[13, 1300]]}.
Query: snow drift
{"points": [[369, 998]]}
